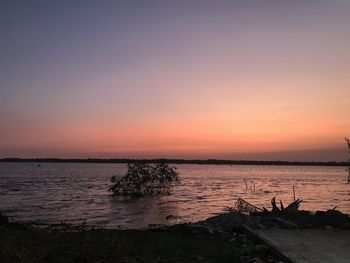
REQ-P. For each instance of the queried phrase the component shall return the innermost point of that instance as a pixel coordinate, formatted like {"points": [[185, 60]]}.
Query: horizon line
{"points": [[174, 161]]}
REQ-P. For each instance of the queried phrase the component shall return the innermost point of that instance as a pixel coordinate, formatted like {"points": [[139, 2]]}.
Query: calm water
{"points": [[55, 192]]}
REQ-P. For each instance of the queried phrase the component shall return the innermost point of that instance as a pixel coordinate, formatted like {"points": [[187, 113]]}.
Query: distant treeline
{"points": [[173, 161]]}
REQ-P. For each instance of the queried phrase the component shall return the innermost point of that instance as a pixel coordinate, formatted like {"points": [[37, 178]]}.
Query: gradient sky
{"points": [[186, 79]]}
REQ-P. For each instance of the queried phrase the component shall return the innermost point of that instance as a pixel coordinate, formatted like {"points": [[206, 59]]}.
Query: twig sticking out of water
{"points": [[249, 187], [294, 193], [246, 185]]}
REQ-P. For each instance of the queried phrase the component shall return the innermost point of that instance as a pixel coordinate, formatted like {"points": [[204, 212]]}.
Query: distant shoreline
{"points": [[174, 161]]}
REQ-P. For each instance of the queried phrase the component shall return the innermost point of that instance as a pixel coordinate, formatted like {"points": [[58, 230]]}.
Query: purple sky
{"points": [[217, 79]]}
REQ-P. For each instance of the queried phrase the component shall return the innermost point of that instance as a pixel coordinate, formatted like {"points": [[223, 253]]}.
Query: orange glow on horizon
{"points": [[181, 79]]}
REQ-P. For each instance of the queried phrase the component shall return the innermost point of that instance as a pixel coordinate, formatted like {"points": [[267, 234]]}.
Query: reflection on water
{"points": [[74, 193]]}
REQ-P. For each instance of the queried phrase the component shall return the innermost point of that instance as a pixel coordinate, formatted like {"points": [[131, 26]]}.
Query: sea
{"points": [[77, 193]]}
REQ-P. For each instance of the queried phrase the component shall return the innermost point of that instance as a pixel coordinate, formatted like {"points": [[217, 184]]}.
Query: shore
{"points": [[218, 239], [178, 243]]}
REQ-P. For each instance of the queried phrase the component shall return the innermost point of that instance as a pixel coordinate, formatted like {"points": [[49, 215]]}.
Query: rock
{"points": [[246, 251], [262, 227], [328, 227], [4, 220], [243, 239], [257, 260], [260, 249], [244, 259], [210, 231], [285, 223], [333, 218]]}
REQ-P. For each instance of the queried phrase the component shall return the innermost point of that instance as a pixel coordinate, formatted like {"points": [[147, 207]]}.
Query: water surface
{"points": [[74, 192]]}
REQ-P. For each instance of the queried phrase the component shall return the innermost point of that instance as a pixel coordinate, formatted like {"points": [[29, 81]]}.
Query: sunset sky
{"points": [[249, 79]]}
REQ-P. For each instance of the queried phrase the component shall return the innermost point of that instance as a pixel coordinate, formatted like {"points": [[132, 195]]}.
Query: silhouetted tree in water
{"points": [[145, 179]]}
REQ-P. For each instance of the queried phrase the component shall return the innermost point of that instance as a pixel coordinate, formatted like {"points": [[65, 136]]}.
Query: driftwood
{"points": [[291, 208], [242, 205], [281, 216]]}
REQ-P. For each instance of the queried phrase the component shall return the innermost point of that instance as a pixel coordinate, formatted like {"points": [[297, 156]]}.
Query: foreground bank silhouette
{"points": [[145, 179]]}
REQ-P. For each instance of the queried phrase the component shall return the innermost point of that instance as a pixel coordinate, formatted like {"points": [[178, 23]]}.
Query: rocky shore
{"points": [[221, 238]]}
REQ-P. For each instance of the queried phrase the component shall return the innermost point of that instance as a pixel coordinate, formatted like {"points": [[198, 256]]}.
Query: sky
{"points": [[252, 79]]}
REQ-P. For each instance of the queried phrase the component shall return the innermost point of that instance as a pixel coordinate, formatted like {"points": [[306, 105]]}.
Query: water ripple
{"points": [[76, 193]]}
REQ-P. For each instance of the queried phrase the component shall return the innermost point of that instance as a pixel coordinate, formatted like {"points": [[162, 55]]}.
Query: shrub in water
{"points": [[145, 179]]}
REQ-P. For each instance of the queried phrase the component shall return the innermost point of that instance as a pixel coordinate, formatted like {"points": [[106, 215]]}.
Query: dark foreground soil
{"points": [[218, 239], [173, 244]]}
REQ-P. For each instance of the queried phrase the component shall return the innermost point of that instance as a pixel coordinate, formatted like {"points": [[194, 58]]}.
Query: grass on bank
{"points": [[175, 244]]}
